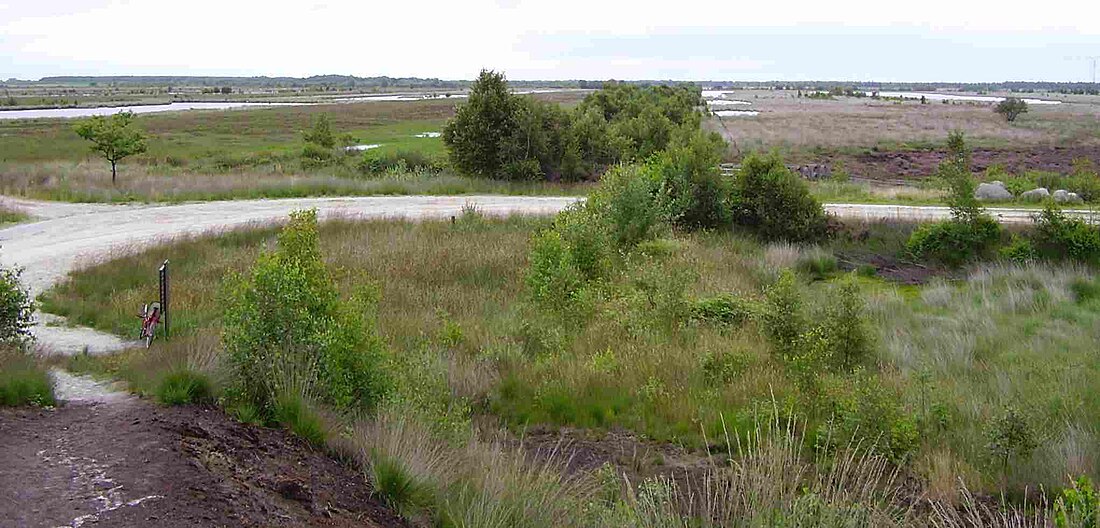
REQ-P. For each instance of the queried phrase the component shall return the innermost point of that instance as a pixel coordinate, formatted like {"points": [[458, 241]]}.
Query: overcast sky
{"points": [[934, 40]]}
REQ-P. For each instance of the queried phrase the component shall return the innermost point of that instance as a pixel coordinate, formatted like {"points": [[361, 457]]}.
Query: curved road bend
{"points": [[68, 235]]}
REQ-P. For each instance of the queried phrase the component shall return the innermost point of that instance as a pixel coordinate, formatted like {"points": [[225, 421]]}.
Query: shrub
{"points": [[1010, 435], [955, 242], [970, 233], [376, 161], [552, 278], [314, 155], [1058, 236], [862, 409], [16, 307], [1085, 290], [723, 310], [844, 324], [782, 318], [1079, 505], [183, 386], [1019, 251], [1011, 108], [625, 202], [774, 203], [690, 189], [320, 134], [724, 367], [284, 324], [496, 134]]}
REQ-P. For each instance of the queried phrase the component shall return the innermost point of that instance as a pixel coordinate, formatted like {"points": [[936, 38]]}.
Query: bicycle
{"points": [[150, 318]]}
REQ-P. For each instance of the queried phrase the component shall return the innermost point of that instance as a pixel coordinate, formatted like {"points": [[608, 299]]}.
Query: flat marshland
{"points": [[951, 358], [209, 155]]}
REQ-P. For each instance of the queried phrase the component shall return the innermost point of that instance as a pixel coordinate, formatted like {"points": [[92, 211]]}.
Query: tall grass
{"points": [[23, 380], [467, 349]]}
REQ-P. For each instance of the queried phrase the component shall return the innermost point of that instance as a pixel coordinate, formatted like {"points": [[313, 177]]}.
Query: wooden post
{"points": [[164, 295]]}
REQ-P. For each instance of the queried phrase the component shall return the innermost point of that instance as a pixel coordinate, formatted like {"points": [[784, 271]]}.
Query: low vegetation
{"points": [[624, 316], [23, 380]]}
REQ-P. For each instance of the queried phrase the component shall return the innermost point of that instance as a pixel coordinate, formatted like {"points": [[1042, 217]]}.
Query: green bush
{"points": [[1010, 435], [861, 410], [723, 367], [1011, 108], [1019, 251], [781, 317], [374, 162], [723, 310], [22, 380], [624, 202], [183, 386], [1058, 236], [1085, 290], [285, 325], [955, 242], [475, 135], [552, 276], [314, 155], [321, 134], [775, 204], [1086, 185], [16, 307], [691, 190], [850, 341], [1079, 505]]}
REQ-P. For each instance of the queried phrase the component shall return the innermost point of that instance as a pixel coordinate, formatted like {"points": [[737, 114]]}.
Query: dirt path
{"points": [[109, 459]]}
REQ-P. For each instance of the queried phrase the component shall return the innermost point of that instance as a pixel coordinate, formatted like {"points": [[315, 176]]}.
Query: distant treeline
{"points": [[351, 81], [831, 86], [340, 81]]}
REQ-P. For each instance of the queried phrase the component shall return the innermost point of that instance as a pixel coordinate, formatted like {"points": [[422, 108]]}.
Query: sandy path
{"points": [[68, 235]]}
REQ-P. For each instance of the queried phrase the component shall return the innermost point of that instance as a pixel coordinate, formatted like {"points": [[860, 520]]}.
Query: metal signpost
{"points": [[164, 296]]}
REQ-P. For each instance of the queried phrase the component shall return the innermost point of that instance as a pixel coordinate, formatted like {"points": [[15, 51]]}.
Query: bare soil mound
{"points": [[919, 164], [132, 463]]}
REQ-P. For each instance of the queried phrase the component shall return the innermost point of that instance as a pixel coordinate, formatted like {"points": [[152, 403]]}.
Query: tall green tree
{"points": [[113, 137], [476, 135]]}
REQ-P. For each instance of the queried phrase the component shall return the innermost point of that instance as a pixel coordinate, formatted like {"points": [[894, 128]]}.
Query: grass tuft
{"points": [[184, 386], [23, 381]]}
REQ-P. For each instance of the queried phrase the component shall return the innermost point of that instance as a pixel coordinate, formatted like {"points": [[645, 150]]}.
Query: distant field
{"points": [[198, 155], [801, 125]]}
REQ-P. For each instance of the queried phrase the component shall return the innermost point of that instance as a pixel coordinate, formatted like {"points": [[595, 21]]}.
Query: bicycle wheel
{"points": [[149, 339]]}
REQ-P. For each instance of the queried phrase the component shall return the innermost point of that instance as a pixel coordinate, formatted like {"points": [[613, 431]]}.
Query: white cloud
{"points": [[454, 39]]}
